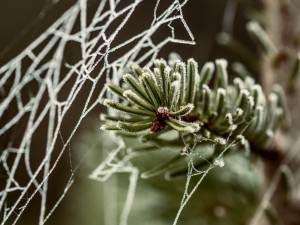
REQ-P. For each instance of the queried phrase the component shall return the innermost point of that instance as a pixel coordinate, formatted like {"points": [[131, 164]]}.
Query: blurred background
{"points": [[228, 195]]}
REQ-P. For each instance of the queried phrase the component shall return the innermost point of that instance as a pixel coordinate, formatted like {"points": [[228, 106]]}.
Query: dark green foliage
{"points": [[176, 96]]}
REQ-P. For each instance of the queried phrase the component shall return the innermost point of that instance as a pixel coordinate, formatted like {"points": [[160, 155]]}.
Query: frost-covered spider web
{"points": [[39, 89], [114, 164]]}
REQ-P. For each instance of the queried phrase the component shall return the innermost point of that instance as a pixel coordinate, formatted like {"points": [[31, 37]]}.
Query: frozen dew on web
{"points": [[219, 162], [207, 123], [39, 89]]}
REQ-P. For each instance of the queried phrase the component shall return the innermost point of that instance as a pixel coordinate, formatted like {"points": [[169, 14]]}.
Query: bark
{"points": [[282, 23]]}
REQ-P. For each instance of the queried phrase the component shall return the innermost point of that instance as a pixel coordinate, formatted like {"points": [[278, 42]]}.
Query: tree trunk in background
{"points": [[282, 23]]}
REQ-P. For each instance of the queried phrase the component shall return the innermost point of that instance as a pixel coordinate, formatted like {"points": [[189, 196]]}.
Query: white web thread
{"points": [[192, 171], [54, 40], [112, 165]]}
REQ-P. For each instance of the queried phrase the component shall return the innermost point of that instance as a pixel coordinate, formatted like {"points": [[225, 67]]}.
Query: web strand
{"points": [[52, 75]]}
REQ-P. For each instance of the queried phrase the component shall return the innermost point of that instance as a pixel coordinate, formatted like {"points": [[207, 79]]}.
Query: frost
{"points": [[229, 118], [221, 141], [239, 111], [52, 102], [222, 62], [245, 92], [58, 84], [219, 162], [251, 101]]}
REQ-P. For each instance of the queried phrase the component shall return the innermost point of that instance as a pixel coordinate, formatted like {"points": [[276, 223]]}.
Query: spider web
{"points": [[39, 88], [114, 164]]}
